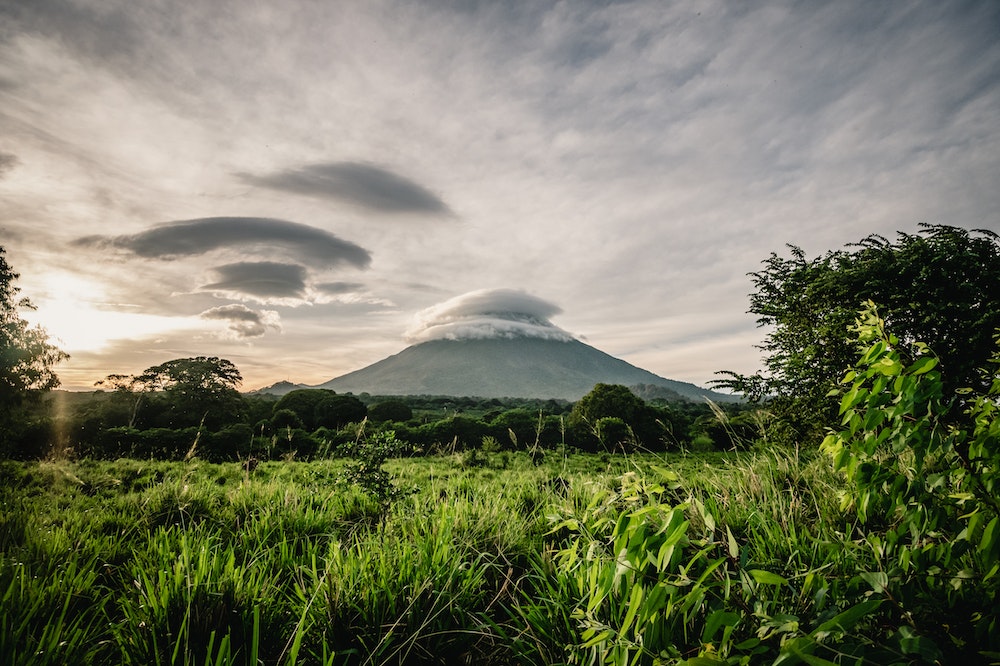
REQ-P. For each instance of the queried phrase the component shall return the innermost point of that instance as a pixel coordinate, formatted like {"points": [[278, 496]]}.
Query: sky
{"points": [[306, 187]]}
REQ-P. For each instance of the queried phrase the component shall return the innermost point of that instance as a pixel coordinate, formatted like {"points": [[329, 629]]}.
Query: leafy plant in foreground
{"points": [[370, 453], [926, 484]]}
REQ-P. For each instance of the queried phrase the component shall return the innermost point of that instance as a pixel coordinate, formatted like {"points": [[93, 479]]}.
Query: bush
{"points": [[390, 410], [926, 478]]}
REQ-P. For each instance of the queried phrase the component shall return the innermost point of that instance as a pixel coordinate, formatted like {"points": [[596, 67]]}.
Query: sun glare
{"points": [[77, 317]]}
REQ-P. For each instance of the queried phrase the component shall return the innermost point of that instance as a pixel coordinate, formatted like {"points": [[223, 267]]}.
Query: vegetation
{"points": [[937, 286], [26, 368]]}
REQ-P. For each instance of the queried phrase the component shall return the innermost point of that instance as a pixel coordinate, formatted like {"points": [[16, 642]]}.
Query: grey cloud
{"points": [[260, 279], [488, 313], [8, 162], [365, 185], [194, 237], [338, 288], [244, 322]]}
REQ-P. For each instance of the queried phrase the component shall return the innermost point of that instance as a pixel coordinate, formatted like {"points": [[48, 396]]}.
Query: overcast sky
{"points": [[306, 187]]}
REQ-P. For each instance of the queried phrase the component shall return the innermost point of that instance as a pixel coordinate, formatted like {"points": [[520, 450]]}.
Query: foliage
{"points": [[303, 402], [198, 390], [618, 402], [336, 411], [367, 471], [181, 393], [926, 484], [735, 557], [390, 410], [938, 286], [647, 581], [26, 359]]}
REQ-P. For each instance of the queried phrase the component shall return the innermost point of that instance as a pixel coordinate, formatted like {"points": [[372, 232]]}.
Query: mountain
{"points": [[516, 367], [280, 388]]}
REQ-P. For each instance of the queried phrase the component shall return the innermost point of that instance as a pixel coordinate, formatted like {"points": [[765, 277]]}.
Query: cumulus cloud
{"points": [[366, 185], [244, 322], [488, 313], [200, 236], [260, 279]]}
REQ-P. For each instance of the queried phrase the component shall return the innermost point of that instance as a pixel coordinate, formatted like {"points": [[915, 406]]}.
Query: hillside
{"points": [[525, 367]]}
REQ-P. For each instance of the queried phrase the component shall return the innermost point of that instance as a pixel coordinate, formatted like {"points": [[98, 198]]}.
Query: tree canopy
{"points": [[26, 355], [937, 286], [625, 411]]}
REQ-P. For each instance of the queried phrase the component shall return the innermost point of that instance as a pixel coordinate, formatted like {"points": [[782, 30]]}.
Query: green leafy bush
{"points": [[925, 475]]}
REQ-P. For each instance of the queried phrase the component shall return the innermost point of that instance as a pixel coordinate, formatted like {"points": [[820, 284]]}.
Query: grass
{"points": [[197, 563]]}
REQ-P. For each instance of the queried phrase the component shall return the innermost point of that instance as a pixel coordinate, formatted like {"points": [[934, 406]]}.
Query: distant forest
{"points": [[199, 413]]}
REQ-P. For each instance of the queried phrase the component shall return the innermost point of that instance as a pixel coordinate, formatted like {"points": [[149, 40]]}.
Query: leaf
{"points": [[989, 537], [599, 638], [767, 578], [922, 365], [634, 603], [879, 580], [734, 549], [716, 620], [889, 366], [849, 617]]}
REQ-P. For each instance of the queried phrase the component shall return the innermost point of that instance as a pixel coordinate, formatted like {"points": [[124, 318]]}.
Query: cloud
{"points": [[260, 279], [8, 162], [361, 184], [488, 313], [244, 322], [199, 236], [339, 288]]}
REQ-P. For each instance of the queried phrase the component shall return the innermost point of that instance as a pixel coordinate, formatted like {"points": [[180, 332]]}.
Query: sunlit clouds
{"points": [[487, 313]]}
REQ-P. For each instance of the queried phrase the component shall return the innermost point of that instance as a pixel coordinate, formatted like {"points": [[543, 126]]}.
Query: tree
{"points": [[26, 357], [197, 390], [336, 411], [390, 410], [617, 402], [304, 402], [128, 391], [938, 286]]}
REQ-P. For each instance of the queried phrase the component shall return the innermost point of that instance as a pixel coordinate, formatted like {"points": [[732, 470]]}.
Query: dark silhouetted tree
{"points": [[26, 360], [390, 410], [336, 411], [197, 390]]}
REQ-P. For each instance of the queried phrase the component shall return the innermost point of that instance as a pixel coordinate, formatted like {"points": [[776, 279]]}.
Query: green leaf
{"points": [[849, 617], [716, 620], [990, 536], [598, 638], [879, 580], [767, 578], [889, 366], [922, 365], [634, 603], [734, 549]]}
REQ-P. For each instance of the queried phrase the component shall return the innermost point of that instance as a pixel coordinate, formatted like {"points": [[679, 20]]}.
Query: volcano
{"points": [[510, 366]]}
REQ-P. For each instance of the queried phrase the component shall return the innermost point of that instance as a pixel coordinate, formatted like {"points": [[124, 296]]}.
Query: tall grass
{"points": [[505, 561]]}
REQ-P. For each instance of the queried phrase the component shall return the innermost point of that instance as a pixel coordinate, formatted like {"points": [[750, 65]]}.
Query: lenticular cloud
{"points": [[485, 314]]}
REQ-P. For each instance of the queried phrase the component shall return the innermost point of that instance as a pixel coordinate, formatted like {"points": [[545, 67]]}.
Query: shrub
{"points": [[926, 477]]}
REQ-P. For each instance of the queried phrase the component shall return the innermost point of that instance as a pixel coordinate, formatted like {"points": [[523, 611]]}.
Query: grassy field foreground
{"points": [[492, 559]]}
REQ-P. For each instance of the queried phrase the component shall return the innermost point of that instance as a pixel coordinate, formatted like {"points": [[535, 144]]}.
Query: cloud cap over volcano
{"points": [[486, 314]]}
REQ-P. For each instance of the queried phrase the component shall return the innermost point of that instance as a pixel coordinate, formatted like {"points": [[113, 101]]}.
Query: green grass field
{"points": [[487, 559]]}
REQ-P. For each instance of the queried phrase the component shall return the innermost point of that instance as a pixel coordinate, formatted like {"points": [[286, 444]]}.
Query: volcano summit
{"points": [[499, 343]]}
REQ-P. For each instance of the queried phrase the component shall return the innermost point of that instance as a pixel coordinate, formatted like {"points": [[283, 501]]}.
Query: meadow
{"points": [[487, 558]]}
